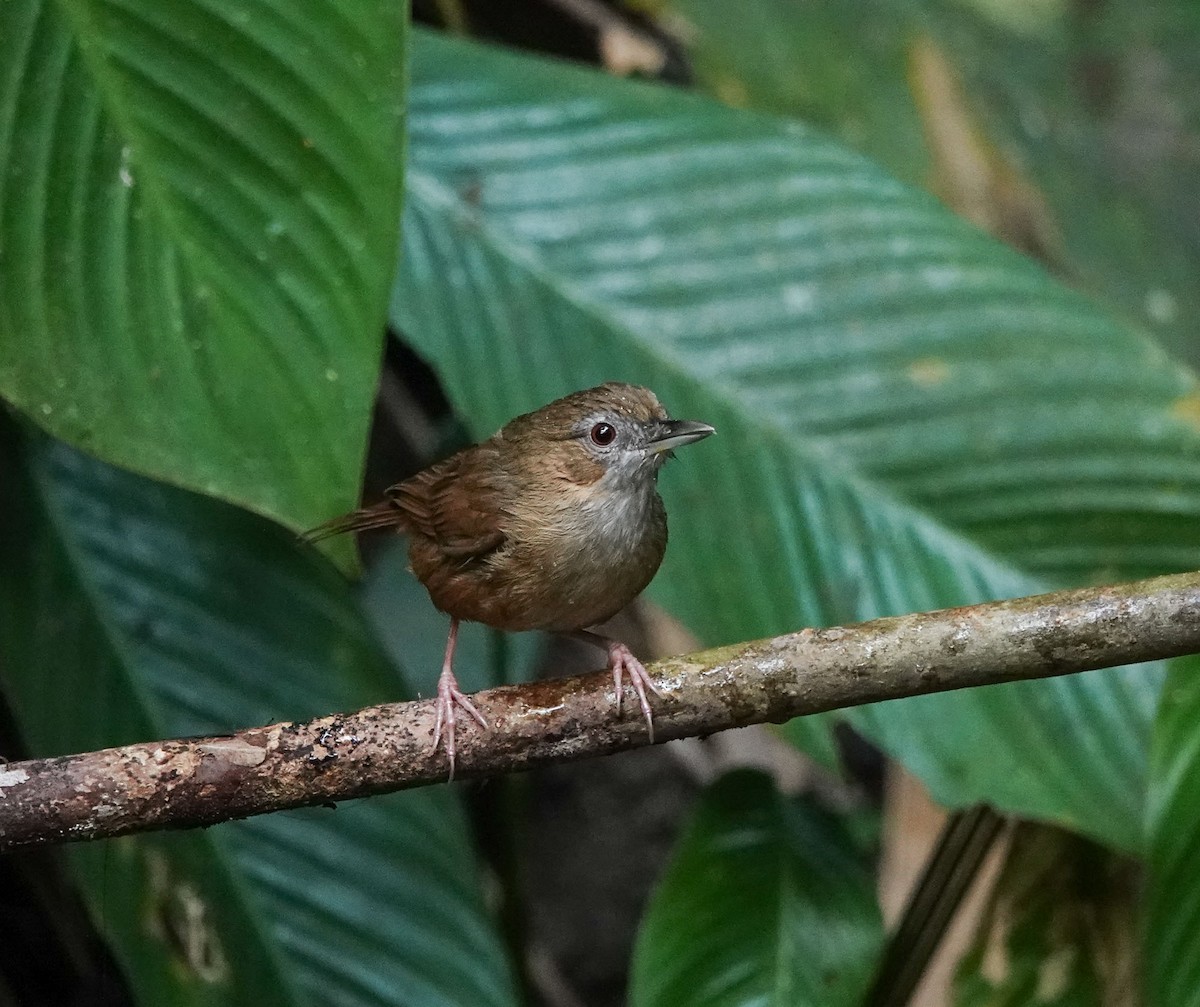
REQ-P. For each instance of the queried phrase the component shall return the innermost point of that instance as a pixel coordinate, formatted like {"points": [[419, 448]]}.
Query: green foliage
{"points": [[163, 613], [897, 430], [197, 225], [158, 613], [1056, 932], [1046, 157], [767, 901], [198, 213], [1172, 938]]}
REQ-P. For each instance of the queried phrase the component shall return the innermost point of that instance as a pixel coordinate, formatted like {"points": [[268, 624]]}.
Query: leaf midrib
{"points": [[87, 37]]}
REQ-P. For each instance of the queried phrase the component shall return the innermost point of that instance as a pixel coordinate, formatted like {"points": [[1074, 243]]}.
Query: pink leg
{"points": [[449, 696], [622, 661]]}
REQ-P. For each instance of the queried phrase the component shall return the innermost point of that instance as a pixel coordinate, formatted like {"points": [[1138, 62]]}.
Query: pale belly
{"points": [[594, 584], [563, 578]]}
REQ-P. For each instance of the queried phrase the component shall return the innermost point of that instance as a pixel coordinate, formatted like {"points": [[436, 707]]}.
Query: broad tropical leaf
{"points": [[910, 415], [130, 611], [1172, 934], [197, 233], [766, 902], [975, 106]]}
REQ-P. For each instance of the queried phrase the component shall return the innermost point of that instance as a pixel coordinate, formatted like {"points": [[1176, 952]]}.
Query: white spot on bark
{"points": [[11, 777], [236, 753]]}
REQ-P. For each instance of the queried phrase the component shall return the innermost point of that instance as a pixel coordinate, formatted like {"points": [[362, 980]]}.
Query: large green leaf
{"points": [[1172, 930], [130, 610], [909, 415], [816, 62], [766, 902], [1095, 171], [197, 233]]}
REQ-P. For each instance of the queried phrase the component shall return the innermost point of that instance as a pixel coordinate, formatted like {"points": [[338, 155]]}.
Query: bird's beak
{"points": [[676, 433]]}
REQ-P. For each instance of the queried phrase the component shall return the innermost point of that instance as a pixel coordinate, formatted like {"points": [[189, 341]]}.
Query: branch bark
{"points": [[192, 782]]}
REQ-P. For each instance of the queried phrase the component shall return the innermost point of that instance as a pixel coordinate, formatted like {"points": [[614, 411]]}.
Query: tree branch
{"points": [[179, 784]]}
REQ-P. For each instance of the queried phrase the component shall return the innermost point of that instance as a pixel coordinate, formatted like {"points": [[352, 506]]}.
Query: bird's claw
{"points": [[450, 696], [621, 660]]}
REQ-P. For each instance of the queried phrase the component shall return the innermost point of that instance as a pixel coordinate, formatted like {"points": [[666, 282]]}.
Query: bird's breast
{"points": [[570, 560], [603, 552]]}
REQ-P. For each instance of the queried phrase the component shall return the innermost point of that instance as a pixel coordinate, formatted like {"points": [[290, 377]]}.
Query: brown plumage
{"points": [[552, 523]]}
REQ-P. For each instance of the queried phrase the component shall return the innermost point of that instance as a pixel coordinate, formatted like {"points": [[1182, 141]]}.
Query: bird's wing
{"points": [[459, 503]]}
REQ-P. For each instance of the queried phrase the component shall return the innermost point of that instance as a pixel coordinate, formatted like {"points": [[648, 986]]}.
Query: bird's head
{"points": [[615, 434]]}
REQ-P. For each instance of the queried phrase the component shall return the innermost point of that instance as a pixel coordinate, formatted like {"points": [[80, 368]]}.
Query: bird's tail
{"points": [[381, 515]]}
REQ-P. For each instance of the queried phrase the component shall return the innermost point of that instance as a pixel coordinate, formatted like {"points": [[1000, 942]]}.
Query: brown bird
{"points": [[552, 523]]}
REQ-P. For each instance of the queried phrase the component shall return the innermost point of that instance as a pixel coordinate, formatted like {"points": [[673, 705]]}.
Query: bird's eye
{"points": [[604, 434]]}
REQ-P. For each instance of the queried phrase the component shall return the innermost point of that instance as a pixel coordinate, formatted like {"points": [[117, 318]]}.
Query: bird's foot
{"points": [[450, 696], [621, 660]]}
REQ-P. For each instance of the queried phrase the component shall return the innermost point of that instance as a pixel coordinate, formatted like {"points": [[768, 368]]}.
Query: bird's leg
{"points": [[449, 696], [620, 662]]}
